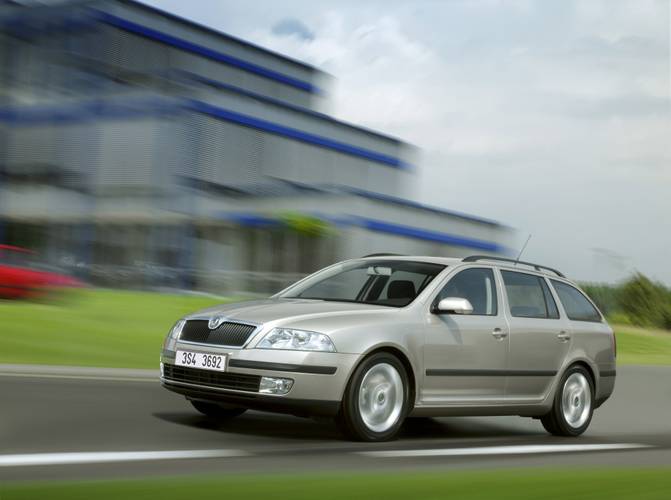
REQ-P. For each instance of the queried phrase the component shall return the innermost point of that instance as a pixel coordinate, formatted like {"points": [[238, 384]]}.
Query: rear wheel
{"points": [[573, 404], [376, 399], [217, 411]]}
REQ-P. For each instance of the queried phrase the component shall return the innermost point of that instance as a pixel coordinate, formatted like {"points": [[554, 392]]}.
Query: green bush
{"points": [[643, 301], [306, 225], [604, 296], [619, 318], [666, 317], [637, 301]]}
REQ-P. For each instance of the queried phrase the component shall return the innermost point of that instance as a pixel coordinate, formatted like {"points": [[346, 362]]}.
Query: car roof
{"points": [[454, 261], [415, 258]]}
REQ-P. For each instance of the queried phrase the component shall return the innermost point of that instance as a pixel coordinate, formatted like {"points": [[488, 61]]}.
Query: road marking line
{"points": [[82, 377], [502, 450], [111, 456]]}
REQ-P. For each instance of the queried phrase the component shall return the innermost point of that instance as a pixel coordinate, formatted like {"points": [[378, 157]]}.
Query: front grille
{"points": [[236, 381], [228, 333]]}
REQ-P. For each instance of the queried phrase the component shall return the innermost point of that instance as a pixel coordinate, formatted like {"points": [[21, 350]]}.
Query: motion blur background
{"points": [[140, 149], [151, 164]]}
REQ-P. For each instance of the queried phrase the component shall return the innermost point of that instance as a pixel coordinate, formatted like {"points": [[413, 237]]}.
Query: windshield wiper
{"points": [[349, 301]]}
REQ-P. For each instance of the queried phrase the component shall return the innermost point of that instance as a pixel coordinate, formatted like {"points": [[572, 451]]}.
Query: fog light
{"points": [[272, 385]]}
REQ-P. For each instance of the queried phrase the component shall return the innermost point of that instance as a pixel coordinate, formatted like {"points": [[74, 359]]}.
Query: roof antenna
{"points": [[523, 247]]}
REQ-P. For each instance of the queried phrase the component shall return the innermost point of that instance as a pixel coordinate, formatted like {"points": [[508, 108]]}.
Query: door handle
{"points": [[563, 336], [499, 334]]}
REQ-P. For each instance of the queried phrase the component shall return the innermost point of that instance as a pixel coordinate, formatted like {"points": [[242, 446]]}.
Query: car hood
{"points": [[285, 311]]}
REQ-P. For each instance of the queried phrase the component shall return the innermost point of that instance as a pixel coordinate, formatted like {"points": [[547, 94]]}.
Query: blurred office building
{"points": [[130, 137]]}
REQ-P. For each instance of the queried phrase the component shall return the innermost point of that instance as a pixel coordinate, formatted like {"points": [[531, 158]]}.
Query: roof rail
{"points": [[383, 255], [537, 267]]}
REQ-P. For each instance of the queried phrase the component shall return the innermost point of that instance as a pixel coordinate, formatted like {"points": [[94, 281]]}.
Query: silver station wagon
{"points": [[374, 340]]}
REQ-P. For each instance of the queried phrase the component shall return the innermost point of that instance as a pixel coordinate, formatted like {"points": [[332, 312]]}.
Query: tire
{"points": [[376, 400], [216, 411], [573, 404]]}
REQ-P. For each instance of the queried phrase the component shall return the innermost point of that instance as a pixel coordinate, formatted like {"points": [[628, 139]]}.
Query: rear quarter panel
{"points": [[592, 343]]}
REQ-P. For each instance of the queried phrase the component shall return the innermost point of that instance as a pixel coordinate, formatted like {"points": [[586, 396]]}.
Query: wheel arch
{"points": [[405, 361], [587, 366], [576, 361]]}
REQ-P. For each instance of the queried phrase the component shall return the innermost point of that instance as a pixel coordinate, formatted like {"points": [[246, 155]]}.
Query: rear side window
{"points": [[477, 285], [576, 305], [526, 297]]}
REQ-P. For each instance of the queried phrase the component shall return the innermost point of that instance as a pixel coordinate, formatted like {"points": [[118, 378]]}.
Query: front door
{"points": [[465, 356]]}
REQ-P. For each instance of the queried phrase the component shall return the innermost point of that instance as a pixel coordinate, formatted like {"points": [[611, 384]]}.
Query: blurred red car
{"points": [[22, 278]]}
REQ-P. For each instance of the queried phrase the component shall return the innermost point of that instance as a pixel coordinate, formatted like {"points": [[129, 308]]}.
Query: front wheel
{"points": [[217, 411], [573, 405], [376, 399]]}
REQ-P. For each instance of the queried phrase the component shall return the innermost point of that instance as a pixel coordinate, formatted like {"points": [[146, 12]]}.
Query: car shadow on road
{"points": [[460, 427], [297, 428], [258, 424]]}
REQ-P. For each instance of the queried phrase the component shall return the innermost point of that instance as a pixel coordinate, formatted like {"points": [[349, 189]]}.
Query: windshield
{"points": [[393, 283]]}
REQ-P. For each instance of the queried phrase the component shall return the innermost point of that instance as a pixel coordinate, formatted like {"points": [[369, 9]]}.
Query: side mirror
{"points": [[453, 305]]}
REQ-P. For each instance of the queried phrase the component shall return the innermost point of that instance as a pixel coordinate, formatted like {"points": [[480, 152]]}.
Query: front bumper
{"points": [[319, 378]]}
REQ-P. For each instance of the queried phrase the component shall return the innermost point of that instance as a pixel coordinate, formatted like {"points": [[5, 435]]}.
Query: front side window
{"points": [[382, 282], [576, 305], [476, 285], [526, 298]]}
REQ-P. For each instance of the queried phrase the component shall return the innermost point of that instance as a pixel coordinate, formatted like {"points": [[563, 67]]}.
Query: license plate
{"points": [[202, 360]]}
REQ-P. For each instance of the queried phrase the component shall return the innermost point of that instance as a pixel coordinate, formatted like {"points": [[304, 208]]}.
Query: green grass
{"points": [[126, 329], [513, 484], [642, 346], [93, 328]]}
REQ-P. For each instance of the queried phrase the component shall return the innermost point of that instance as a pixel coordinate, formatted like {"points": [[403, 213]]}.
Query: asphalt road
{"points": [[59, 415]]}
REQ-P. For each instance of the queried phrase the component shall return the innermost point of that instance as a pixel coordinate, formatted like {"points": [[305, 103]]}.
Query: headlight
{"points": [[297, 340], [174, 334], [177, 329]]}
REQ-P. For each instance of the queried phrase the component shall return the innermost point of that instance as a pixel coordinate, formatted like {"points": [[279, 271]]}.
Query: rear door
{"points": [[465, 355], [539, 336]]}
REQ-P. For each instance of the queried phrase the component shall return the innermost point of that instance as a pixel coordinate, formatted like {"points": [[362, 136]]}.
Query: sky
{"points": [[553, 117]]}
